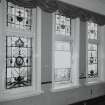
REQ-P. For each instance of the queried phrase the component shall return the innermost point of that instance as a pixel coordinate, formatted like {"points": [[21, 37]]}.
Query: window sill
{"points": [[94, 82], [65, 88], [7, 97]]}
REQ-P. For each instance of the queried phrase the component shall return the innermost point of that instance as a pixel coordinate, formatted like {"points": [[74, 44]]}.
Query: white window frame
{"points": [[75, 57], [100, 46], [35, 88]]}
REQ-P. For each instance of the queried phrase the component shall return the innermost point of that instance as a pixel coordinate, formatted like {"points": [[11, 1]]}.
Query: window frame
{"points": [[99, 44], [75, 59], [35, 89]]}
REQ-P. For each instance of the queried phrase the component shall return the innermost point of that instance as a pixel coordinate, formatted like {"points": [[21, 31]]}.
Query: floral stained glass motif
{"points": [[92, 30], [18, 62], [62, 75], [92, 61], [19, 17], [63, 25]]}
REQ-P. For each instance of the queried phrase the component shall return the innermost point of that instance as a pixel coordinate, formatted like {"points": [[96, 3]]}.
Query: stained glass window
{"points": [[92, 61], [62, 54], [92, 50], [18, 62], [19, 17], [92, 30], [63, 25]]}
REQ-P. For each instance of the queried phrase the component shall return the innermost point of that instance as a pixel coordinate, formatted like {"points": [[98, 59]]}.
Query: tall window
{"points": [[18, 48], [62, 50], [92, 50], [21, 68], [66, 44]]}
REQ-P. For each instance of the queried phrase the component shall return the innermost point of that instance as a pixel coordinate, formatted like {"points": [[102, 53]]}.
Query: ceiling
{"points": [[102, 1]]}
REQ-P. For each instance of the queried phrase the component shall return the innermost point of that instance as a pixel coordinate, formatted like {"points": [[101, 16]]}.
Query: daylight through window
{"points": [[63, 50], [92, 50]]}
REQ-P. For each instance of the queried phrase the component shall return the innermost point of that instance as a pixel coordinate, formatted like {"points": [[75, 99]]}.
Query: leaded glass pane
{"points": [[19, 17], [62, 74], [92, 61], [92, 30], [63, 25], [18, 62]]}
